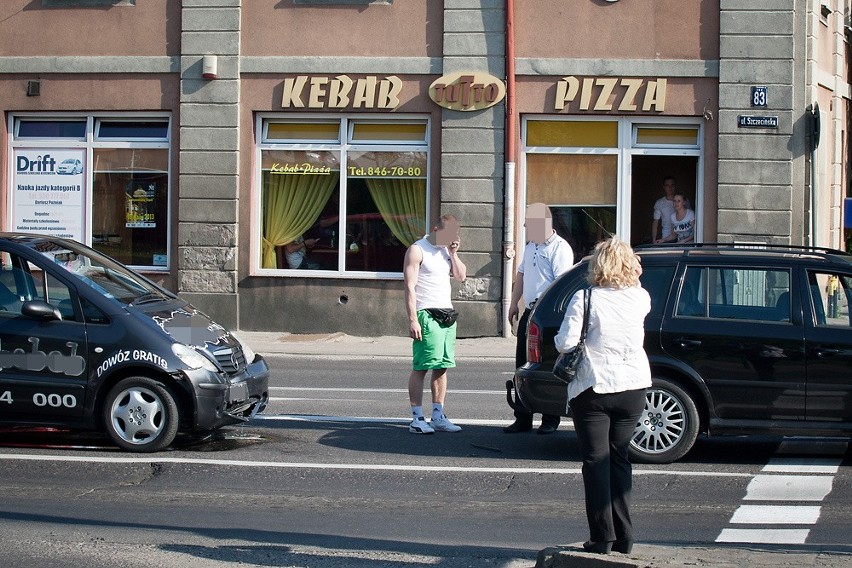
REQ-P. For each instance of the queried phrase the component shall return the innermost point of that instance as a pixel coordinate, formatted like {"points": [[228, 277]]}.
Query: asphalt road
{"points": [[329, 476]]}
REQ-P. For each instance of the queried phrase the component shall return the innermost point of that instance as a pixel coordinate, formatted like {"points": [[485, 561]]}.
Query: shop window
{"points": [[130, 205], [132, 130], [581, 191], [648, 136], [103, 181], [85, 3], [353, 208], [65, 129], [302, 132], [342, 2], [568, 134]]}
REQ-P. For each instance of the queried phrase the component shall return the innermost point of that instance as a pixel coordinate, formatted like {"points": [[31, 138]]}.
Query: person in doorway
{"points": [[663, 209], [427, 268], [683, 222], [546, 257], [608, 394]]}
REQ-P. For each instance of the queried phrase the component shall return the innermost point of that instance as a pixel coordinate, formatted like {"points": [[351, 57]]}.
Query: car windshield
{"points": [[105, 275]]}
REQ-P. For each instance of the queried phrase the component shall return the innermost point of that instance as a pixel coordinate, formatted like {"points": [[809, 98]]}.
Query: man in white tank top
{"points": [[428, 266]]}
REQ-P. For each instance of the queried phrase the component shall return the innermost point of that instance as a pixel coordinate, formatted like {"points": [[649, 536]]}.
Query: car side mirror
{"points": [[40, 310]]}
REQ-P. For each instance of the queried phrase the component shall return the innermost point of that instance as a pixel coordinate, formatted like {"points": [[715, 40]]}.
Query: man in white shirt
{"points": [[663, 210], [546, 257]]}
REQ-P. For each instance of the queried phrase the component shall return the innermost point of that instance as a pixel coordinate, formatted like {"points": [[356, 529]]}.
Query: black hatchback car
{"points": [[86, 343], [742, 339]]}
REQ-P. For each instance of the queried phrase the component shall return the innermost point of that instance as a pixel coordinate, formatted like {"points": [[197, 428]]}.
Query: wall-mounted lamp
{"points": [[209, 66], [33, 88]]}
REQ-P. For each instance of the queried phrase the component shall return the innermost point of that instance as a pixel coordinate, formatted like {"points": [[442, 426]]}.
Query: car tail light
{"points": [[534, 343]]}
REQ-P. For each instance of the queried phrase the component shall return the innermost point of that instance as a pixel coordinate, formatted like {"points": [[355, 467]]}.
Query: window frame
{"points": [[342, 148], [626, 147], [88, 144]]}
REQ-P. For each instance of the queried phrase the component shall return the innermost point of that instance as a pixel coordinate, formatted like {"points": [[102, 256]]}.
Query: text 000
{"points": [[55, 400]]}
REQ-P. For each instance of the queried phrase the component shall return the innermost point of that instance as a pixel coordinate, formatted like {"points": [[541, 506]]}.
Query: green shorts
{"points": [[437, 349]]}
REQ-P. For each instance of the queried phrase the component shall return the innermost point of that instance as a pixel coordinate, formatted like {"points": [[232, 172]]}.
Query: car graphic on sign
{"points": [[70, 166]]}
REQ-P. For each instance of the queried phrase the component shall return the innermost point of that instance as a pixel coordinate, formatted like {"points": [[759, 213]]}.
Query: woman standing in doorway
{"points": [[683, 222]]}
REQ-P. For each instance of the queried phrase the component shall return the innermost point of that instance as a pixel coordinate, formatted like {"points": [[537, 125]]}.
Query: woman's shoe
{"points": [[597, 547]]}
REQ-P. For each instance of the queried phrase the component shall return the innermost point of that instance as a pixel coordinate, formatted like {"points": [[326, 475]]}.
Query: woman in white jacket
{"points": [[608, 394]]}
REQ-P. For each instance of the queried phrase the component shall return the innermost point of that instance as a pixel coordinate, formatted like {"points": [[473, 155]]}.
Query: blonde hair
{"points": [[614, 265]]}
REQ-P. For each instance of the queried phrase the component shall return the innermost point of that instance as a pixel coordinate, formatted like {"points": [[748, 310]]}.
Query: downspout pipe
{"points": [[509, 172]]}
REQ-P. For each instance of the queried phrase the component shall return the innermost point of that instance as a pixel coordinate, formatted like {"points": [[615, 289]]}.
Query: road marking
{"points": [[764, 536], [440, 469], [788, 488], [776, 515], [788, 478], [567, 425], [355, 389]]}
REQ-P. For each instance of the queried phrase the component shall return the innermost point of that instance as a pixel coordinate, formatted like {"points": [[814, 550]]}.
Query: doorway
{"points": [[647, 173]]}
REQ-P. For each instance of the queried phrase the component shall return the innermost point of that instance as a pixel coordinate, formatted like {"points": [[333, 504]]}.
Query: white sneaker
{"points": [[420, 426], [443, 424]]}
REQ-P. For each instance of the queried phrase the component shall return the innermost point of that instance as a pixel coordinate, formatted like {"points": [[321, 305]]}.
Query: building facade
{"points": [[271, 161]]}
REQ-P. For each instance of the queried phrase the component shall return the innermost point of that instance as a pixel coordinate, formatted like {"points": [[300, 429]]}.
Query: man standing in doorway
{"points": [[428, 266], [546, 257], [663, 210]]}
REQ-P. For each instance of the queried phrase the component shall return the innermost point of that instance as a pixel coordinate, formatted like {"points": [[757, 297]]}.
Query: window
{"points": [[830, 295], [103, 181], [735, 294], [602, 175], [341, 196], [85, 3], [657, 280]]}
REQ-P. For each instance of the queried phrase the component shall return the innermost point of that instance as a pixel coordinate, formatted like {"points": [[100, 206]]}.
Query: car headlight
{"points": [[247, 351], [192, 358]]}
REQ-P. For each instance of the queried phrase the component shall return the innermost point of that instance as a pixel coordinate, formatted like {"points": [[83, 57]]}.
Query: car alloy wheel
{"points": [[140, 414], [667, 427]]}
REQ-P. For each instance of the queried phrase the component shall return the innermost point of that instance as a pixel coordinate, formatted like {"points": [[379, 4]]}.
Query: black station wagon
{"points": [[86, 343], [742, 339]]}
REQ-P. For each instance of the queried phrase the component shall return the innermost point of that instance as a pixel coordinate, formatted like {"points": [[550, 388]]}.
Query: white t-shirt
{"points": [[294, 259], [544, 263], [433, 288], [615, 355], [663, 211], [684, 228]]}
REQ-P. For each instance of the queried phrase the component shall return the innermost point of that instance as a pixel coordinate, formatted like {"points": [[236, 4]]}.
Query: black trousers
{"points": [[604, 424], [521, 358]]}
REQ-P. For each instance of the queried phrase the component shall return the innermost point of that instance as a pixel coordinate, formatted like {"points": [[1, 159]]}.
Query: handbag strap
{"points": [[587, 303]]}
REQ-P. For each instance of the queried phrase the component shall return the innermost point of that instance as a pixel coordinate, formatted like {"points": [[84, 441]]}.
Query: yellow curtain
{"points": [[402, 204], [291, 204]]}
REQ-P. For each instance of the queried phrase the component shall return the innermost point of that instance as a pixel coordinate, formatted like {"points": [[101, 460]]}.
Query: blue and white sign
{"points": [[759, 97], [757, 121]]}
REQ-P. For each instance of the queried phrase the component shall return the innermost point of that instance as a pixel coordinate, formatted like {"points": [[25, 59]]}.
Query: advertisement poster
{"points": [[139, 210], [48, 192]]}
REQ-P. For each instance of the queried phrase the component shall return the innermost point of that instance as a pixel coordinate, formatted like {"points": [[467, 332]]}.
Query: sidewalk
{"points": [[342, 345], [643, 555]]}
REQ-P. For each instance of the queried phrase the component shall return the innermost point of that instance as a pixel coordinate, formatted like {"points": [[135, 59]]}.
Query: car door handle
{"points": [[825, 352], [688, 343]]}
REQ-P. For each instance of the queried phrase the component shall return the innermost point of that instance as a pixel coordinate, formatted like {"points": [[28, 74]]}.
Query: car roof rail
{"points": [[686, 247]]}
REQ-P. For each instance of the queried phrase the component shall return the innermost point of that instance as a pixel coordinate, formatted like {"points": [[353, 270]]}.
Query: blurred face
{"points": [[539, 225], [669, 188], [448, 235]]}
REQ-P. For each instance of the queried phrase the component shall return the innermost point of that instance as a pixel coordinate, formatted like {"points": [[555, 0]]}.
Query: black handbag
{"points": [[444, 316], [565, 368]]}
